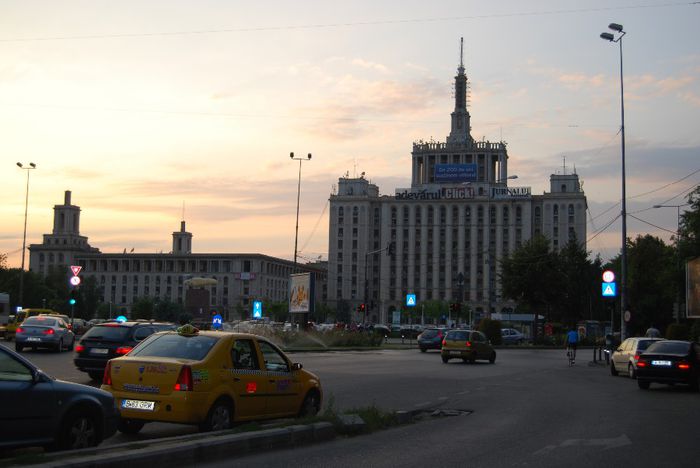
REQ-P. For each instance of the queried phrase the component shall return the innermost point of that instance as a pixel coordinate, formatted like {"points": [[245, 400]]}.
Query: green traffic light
{"points": [[71, 302]]}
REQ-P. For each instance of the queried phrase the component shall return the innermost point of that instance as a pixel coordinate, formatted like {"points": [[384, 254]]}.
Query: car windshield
{"points": [[107, 333], [669, 347], [40, 321], [458, 335], [176, 346]]}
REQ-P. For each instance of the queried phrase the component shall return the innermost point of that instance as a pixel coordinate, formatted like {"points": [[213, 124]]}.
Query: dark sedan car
{"points": [[431, 338], [109, 340], [38, 410], [670, 362]]}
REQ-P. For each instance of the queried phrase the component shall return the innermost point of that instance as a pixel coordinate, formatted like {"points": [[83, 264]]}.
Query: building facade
{"points": [[443, 237], [124, 277]]}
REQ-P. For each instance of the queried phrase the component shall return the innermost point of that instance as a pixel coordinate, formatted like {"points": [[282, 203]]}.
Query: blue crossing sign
{"points": [[257, 309], [609, 290], [217, 321], [410, 300]]}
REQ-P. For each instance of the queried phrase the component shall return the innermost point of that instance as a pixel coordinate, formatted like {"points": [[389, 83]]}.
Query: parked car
{"points": [[39, 410], [208, 378], [44, 331], [670, 362], [410, 331], [625, 357], [379, 329], [468, 345], [511, 336], [80, 326], [108, 340], [431, 338]]}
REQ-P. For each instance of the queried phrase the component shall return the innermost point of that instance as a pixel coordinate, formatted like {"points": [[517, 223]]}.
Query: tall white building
{"points": [[455, 222]]}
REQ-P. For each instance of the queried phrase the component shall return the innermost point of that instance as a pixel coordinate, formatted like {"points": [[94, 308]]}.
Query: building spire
{"points": [[461, 125]]}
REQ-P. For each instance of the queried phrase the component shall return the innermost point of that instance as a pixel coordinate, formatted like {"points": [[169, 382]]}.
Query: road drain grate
{"points": [[439, 413]]}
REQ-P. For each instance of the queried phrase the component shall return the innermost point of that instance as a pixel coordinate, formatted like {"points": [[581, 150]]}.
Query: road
{"points": [[529, 409]]}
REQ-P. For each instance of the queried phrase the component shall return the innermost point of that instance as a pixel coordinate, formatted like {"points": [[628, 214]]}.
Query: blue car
{"points": [[44, 331], [38, 410]]}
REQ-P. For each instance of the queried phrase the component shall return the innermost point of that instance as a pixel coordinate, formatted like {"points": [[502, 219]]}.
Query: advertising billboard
{"points": [[455, 173], [692, 307], [301, 293]]}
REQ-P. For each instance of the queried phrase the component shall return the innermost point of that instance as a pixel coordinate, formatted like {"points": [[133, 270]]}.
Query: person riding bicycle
{"points": [[571, 342]]}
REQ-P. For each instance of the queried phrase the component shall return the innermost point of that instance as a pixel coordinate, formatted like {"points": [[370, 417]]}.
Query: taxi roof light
{"points": [[184, 380]]}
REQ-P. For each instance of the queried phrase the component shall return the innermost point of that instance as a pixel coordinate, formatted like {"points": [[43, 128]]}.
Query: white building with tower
{"points": [[456, 221]]}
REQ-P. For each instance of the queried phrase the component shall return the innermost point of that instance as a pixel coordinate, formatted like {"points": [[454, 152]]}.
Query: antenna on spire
{"points": [[564, 164], [461, 52], [183, 210]]}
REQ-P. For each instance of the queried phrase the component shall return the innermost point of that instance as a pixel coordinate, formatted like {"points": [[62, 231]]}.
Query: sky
{"points": [[150, 110]]}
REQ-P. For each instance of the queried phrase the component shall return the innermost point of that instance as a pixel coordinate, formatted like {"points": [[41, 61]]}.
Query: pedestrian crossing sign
{"points": [[609, 290], [410, 300]]}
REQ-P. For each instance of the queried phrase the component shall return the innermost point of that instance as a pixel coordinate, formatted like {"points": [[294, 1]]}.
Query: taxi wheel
{"points": [[219, 418], [310, 406], [492, 359], [445, 359], [130, 426], [613, 371]]}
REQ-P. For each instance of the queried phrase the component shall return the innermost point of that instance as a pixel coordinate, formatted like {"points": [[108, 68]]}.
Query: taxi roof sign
{"points": [[188, 330]]}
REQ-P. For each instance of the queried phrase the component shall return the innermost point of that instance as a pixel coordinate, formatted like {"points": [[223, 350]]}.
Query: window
{"points": [[274, 360], [243, 355]]}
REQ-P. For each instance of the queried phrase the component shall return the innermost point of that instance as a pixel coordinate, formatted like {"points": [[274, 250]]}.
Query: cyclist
{"points": [[571, 342]]}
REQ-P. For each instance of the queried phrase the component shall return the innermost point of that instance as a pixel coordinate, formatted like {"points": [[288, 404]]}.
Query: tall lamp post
{"points": [[296, 232], [24, 235], [623, 254], [678, 253]]}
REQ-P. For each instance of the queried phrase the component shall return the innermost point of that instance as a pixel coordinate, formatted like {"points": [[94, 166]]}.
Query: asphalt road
{"points": [[529, 409]]}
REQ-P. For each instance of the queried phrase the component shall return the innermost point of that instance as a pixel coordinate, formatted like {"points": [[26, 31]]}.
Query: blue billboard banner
{"points": [[455, 173]]}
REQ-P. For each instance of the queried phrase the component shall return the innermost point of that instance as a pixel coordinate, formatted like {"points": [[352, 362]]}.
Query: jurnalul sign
{"points": [[301, 293], [510, 192]]}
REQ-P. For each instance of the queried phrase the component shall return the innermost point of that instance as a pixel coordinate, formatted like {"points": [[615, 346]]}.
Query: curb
{"points": [[190, 450]]}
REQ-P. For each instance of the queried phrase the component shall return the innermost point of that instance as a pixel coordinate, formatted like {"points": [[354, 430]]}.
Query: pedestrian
{"points": [[652, 332]]}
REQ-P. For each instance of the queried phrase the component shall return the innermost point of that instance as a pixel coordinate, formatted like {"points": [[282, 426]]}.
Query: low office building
{"points": [[442, 238], [124, 277]]}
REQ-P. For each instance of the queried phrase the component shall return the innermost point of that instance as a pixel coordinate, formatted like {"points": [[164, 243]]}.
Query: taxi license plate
{"points": [[661, 363], [32, 338], [99, 351], [138, 405]]}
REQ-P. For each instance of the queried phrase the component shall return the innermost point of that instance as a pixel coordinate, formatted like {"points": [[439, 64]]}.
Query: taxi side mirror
{"points": [[296, 366]]}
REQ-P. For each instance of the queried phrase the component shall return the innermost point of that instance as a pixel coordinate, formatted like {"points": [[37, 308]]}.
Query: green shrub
{"points": [[492, 330], [677, 331]]}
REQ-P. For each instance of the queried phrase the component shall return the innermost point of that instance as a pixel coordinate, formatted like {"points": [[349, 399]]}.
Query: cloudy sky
{"points": [[141, 107]]}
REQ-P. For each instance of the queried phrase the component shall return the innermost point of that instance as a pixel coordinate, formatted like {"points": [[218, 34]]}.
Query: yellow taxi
{"points": [[208, 378], [468, 345]]}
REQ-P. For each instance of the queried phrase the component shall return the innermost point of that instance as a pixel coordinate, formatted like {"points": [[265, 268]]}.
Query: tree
{"points": [[167, 310], [532, 275], [142, 308], [689, 242], [580, 275], [3, 261]]}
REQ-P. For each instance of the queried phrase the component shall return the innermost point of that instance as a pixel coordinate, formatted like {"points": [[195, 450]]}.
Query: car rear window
{"points": [[176, 346], [107, 333], [644, 344], [457, 335], [43, 321], [668, 347], [430, 333]]}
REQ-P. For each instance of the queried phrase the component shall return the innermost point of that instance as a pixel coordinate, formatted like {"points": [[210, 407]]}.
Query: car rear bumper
{"points": [[458, 353], [178, 407], [90, 364], [44, 342]]}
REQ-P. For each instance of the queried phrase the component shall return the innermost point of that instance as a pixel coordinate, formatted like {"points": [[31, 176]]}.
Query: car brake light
{"points": [[636, 357], [184, 380], [443, 342], [641, 363], [48, 331], [19, 330], [123, 350], [683, 365], [79, 348], [469, 344], [107, 377]]}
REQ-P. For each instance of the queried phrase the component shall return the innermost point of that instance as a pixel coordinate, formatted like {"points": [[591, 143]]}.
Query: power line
{"points": [[651, 224], [348, 24]]}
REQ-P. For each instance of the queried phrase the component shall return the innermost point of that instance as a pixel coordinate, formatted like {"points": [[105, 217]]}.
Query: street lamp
{"points": [[296, 233], [623, 255], [678, 252], [24, 236]]}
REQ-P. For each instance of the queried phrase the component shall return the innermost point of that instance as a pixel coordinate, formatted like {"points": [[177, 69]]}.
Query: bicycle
{"points": [[571, 354]]}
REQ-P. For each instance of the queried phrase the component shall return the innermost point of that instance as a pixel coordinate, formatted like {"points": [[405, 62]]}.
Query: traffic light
{"points": [[73, 297], [361, 308]]}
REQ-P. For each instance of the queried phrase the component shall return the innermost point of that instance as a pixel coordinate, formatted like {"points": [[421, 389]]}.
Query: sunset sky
{"points": [[139, 107]]}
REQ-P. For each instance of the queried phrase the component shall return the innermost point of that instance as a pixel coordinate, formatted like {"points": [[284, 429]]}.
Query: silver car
{"points": [[44, 331], [625, 357]]}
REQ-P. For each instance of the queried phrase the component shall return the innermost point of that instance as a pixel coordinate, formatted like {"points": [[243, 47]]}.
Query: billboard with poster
{"points": [[692, 275], [301, 293]]}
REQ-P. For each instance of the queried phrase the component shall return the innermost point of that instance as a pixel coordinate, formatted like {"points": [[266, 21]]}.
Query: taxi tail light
{"points": [[184, 380], [469, 344], [48, 331], [124, 350], [107, 377], [79, 348], [684, 365]]}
